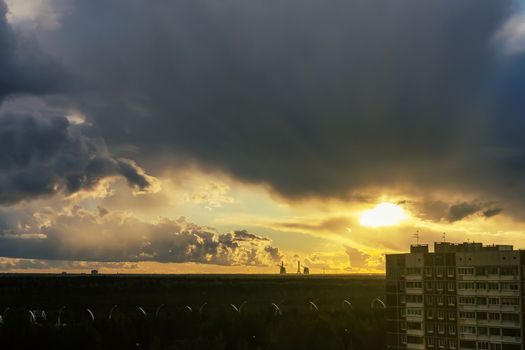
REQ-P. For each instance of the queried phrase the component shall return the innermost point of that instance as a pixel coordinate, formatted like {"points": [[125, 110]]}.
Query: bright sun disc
{"points": [[383, 214]]}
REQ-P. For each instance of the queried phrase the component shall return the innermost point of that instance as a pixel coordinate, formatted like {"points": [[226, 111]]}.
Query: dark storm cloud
{"points": [[436, 210], [117, 237], [24, 68], [462, 210], [42, 155], [313, 98], [492, 212]]}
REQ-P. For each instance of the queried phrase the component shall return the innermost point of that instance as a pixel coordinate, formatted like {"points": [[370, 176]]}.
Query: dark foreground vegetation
{"points": [[190, 312]]}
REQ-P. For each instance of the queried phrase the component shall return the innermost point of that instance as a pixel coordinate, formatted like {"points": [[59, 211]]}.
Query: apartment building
{"points": [[461, 296]]}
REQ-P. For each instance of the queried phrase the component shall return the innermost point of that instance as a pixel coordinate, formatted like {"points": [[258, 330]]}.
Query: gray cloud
{"points": [[462, 210], [117, 237], [8, 264], [43, 155], [437, 210], [492, 212], [313, 99], [24, 68]]}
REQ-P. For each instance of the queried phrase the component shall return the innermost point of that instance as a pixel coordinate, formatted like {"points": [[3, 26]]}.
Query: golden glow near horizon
{"points": [[383, 214]]}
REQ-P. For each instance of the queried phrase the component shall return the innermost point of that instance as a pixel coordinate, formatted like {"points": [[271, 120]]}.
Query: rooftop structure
{"points": [[282, 270]]}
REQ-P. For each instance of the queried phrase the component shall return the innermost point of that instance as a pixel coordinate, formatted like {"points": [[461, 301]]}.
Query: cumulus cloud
{"points": [[106, 236], [359, 260], [43, 155]]}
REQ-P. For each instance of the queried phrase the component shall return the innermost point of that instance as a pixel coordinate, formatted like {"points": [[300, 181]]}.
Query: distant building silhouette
{"points": [[94, 272], [461, 296], [306, 270]]}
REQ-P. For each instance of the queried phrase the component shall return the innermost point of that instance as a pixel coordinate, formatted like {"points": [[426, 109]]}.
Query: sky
{"points": [[230, 136]]}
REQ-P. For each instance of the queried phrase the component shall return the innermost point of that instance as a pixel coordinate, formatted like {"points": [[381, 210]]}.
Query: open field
{"points": [[309, 312]]}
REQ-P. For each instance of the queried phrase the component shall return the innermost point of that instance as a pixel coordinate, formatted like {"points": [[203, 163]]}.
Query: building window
{"points": [[495, 331], [451, 344], [508, 271], [451, 286], [413, 284], [481, 315], [483, 345], [481, 301], [511, 332], [430, 314], [469, 315], [414, 340], [428, 271], [510, 301], [483, 331], [430, 342], [413, 271], [441, 328], [510, 317], [467, 300], [480, 271], [493, 285], [452, 329], [414, 298], [440, 314], [414, 312], [430, 328], [451, 301], [451, 315], [466, 285], [414, 325], [465, 270], [509, 286], [494, 316], [493, 301], [428, 286], [495, 346], [467, 330], [481, 285], [450, 272]]}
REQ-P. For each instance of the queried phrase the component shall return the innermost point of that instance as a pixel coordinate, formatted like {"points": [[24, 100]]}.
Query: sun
{"points": [[383, 214]]}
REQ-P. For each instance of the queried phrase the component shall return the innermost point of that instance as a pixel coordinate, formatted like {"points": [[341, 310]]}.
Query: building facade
{"points": [[461, 296]]}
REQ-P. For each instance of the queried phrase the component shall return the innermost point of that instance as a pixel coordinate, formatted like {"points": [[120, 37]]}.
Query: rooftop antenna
{"points": [[444, 237], [416, 236]]}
